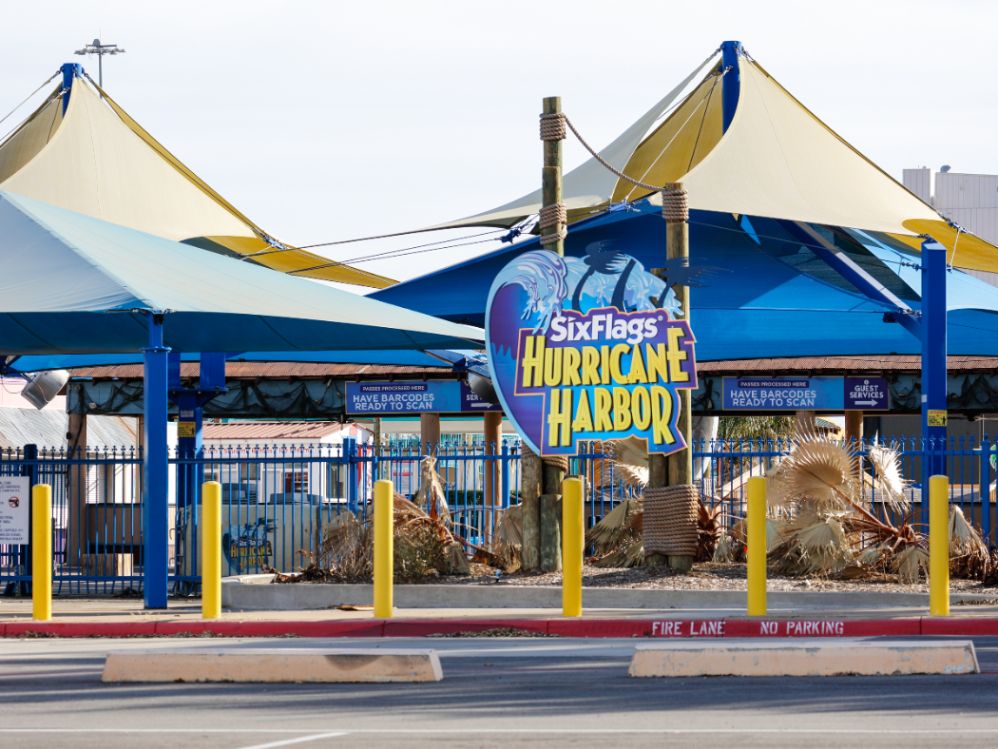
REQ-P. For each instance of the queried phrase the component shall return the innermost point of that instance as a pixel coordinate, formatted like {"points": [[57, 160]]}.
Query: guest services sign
{"points": [[588, 348]]}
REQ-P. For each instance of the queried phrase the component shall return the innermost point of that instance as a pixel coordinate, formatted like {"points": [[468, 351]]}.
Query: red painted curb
{"points": [[79, 629], [599, 627], [426, 627], [595, 628], [963, 627], [272, 628]]}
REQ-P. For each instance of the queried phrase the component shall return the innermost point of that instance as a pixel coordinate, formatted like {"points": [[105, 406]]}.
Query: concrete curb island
{"points": [[256, 593]]}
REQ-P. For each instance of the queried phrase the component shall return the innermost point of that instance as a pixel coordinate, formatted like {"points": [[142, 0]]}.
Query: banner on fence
{"points": [[805, 394], [15, 509], [402, 397], [588, 348]]}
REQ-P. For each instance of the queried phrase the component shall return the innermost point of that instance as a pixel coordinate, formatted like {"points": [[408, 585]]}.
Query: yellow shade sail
{"points": [[98, 161]]}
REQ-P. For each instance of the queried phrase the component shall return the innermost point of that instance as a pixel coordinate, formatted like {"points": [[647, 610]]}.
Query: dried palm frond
{"points": [[779, 492], [911, 563], [622, 522], [708, 529], [873, 556], [346, 547], [963, 537], [819, 472], [727, 549], [820, 547], [630, 554], [888, 483], [617, 537], [625, 462], [631, 477], [424, 545], [968, 554], [431, 491]]}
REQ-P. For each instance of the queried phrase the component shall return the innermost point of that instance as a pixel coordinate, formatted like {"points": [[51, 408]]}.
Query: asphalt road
{"points": [[495, 692]]}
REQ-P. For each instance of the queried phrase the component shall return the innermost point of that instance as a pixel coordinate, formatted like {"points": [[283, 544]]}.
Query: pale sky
{"points": [[330, 120]]}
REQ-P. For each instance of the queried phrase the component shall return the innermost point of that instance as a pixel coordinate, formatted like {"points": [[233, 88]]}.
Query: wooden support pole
{"points": [[551, 176], [675, 469], [429, 431], [548, 512], [677, 247], [854, 434], [531, 476], [492, 432], [550, 532]]}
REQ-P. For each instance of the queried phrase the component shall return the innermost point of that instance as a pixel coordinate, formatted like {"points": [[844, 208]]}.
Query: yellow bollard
{"points": [[756, 538], [938, 546], [41, 552], [211, 550], [384, 562], [573, 539]]}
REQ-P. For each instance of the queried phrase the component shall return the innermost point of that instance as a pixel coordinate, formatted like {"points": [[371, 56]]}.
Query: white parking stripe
{"points": [[312, 735], [299, 740]]}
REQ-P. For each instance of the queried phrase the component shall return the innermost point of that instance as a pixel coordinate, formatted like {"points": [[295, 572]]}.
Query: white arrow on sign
{"points": [[864, 403]]}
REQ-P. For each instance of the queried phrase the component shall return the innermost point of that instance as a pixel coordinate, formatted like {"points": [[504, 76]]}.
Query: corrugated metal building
{"points": [[969, 200]]}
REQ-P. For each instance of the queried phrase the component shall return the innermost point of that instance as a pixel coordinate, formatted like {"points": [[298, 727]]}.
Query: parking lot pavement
{"points": [[496, 692]]}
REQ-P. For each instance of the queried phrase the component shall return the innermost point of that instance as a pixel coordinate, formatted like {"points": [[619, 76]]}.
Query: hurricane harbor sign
{"points": [[588, 349], [805, 394]]}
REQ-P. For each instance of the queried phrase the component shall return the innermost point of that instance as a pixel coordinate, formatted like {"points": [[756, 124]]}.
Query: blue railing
{"points": [[278, 500]]}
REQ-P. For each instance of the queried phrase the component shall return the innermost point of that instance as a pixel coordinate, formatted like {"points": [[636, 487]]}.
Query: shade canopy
{"points": [[76, 284], [776, 159], [81, 151], [761, 287]]}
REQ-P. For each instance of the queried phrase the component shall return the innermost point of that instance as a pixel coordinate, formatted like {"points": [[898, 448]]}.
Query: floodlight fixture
{"points": [[96, 48]]}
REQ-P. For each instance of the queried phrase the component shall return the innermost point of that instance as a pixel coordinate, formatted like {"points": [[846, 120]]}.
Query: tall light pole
{"points": [[96, 48]]}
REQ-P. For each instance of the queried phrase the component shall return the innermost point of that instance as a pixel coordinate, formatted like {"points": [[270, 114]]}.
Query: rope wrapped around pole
{"points": [[675, 205], [553, 217], [557, 216], [553, 126]]}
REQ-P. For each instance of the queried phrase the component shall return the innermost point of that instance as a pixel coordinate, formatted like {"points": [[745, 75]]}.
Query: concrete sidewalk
{"points": [[116, 617]]}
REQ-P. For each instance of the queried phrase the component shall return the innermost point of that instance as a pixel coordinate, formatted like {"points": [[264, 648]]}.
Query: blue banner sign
{"points": [[401, 397], [866, 394], [805, 394], [588, 349]]}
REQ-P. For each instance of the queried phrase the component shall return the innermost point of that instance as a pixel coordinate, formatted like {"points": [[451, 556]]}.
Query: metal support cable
{"points": [[610, 167], [28, 97]]}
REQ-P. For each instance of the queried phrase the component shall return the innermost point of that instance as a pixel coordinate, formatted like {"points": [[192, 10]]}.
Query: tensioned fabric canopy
{"points": [[776, 160], [763, 288], [88, 155], [76, 284]]}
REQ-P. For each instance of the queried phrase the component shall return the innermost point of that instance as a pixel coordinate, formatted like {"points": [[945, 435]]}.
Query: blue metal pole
{"points": [[934, 417], [985, 491], [70, 70], [731, 83], [29, 468], [350, 462], [504, 476], [155, 522]]}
